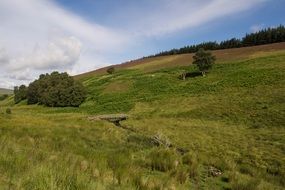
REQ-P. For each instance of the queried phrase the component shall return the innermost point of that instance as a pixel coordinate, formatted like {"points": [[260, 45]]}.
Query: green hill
{"points": [[5, 91], [222, 131]]}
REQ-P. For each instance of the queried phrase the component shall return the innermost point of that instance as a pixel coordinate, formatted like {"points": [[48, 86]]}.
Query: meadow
{"points": [[231, 121]]}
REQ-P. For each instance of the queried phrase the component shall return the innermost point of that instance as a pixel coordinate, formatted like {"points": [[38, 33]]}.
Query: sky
{"points": [[77, 36]]}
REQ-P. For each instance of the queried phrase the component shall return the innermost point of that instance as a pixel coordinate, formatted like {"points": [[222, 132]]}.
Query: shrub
{"points": [[3, 97], [111, 70], [8, 111]]}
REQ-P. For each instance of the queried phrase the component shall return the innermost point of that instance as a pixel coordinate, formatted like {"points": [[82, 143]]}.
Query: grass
{"points": [[5, 91], [232, 120]]}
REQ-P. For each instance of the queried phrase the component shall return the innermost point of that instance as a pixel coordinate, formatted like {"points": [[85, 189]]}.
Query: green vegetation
{"points": [[3, 97], [264, 36], [5, 91], [111, 70], [8, 111], [53, 90], [20, 93], [230, 121], [204, 60]]}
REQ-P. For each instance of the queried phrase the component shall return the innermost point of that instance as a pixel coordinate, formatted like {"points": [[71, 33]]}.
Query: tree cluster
{"points": [[265, 36], [53, 90]]}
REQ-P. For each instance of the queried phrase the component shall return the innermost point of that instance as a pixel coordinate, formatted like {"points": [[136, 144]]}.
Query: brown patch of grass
{"points": [[117, 87]]}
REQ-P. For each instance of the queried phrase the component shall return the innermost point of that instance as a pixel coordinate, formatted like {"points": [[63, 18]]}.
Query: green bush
{"points": [[111, 70], [3, 97], [8, 111]]}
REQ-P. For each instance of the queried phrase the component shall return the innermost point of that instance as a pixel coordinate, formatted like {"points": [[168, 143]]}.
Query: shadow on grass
{"points": [[186, 75], [193, 74]]}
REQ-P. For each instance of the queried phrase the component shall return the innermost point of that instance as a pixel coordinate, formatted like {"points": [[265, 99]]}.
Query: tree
{"points": [[111, 70], [204, 60], [20, 93]]}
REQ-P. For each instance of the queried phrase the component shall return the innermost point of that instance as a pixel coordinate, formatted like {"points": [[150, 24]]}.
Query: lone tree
{"points": [[204, 60]]}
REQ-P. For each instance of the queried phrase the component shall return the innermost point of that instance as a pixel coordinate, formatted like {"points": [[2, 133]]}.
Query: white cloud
{"points": [[257, 27], [4, 58], [37, 36], [59, 54], [171, 16]]}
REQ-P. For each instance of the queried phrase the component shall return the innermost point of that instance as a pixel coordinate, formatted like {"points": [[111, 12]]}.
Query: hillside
{"points": [[222, 131], [156, 63], [5, 91]]}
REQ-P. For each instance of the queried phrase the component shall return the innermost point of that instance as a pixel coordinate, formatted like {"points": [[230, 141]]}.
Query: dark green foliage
{"points": [[8, 111], [204, 60], [3, 97], [265, 36], [33, 94], [20, 93], [111, 70], [56, 90]]}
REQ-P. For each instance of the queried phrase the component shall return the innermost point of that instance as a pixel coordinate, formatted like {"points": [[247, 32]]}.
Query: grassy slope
{"points": [[5, 91], [233, 119], [156, 63]]}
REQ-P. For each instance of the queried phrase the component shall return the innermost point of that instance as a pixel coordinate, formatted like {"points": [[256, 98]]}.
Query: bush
{"points": [[111, 70], [8, 111], [3, 97]]}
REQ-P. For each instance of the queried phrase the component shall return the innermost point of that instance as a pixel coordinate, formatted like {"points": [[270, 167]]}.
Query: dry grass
{"points": [[117, 87]]}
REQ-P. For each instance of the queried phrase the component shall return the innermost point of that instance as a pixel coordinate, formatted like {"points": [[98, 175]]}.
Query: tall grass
{"points": [[231, 120]]}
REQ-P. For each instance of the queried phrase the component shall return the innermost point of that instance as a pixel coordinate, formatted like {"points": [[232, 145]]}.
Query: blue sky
{"points": [[39, 36]]}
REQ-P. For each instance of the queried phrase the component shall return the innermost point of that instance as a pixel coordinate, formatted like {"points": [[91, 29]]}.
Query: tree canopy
{"points": [[55, 90], [204, 60], [20, 93], [265, 36]]}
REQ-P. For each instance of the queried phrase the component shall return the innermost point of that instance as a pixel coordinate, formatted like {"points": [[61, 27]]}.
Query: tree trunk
{"points": [[183, 76]]}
